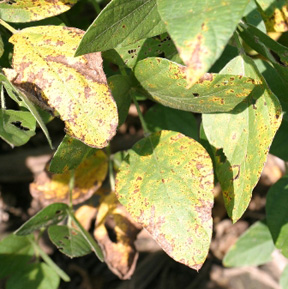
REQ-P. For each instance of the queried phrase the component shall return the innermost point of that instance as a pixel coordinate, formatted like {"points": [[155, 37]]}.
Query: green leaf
{"points": [[166, 82], [37, 275], [1, 46], [17, 126], [24, 101], [31, 10], [15, 252], [50, 215], [120, 23], [253, 248], [160, 117], [120, 86], [253, 16], [241, 139], [69, 241], [269, 6], [279, 144], [277, 214], [284, 278], [166, 185], [200, 30], [62, 161]]}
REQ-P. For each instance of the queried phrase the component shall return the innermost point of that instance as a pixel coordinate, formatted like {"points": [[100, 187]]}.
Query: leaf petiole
{"points": [[7, 26]]}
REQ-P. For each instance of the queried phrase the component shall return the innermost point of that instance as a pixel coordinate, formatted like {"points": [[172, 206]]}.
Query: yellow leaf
{"points": [[75, 87], [278, 22], [89, 175]]}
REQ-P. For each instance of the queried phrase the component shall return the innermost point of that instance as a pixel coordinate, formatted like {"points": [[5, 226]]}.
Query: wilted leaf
{"points": [[45, 67], [200, 30], [166, 82], [31, 10], [85, 214], [62, 161], [241, 139], [17, 127], [253, 248], [15, 251], [166, 184], [50, 215], [122, 22], [69, 241], [160, 117], [277, 214], [49, 188], [120, 254]]}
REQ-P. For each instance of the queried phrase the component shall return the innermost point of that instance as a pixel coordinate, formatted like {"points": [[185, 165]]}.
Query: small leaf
{"points": [[17, 126], [160, 117], [15, 252], [37, 275], [277, 214], [50, 215], [253, 248], [196, 26], [241, 139], [31, 10], [62, 161], [75, 87], [166, 82], [122, 22], [69, 241], [166, 185], [89, 175]]}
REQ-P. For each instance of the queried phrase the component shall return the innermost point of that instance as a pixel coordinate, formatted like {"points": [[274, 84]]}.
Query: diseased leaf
{"points": [[44, 66], [170, 194], [69, 241], [50, 215], [241, 139], [31, 10], [277, 214], [89, 175], [16, 127], [15, 251], [62, 161], [160, 117], [120, 23], [253, 248], [166, 82], [195, 27], [120, 254]]}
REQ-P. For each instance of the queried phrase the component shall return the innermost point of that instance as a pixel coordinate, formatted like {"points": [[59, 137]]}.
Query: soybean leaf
{"points": [[120, 23], [69, 241], [62, 161], [253, 248], [50, 215], [37, 275], [284, 278], [253, 16], [175, 170], [195, 27], [277, 215], [1, 46], [17, 126], [31, 10], [278, 147], [88, 178], [15, 252], [22, 100], [234, 138], [166, 82], [45, 67], [120, 86], [269, 6], [160, 117]]}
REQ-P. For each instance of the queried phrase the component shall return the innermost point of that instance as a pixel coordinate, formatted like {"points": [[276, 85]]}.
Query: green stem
{"points": [[96, 6], [3, 105], [71, 188], [6, 25], [238, 44], [143, 123], [50, 262]]}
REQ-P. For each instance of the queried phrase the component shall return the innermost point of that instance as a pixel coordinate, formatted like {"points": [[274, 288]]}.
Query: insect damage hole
{"points": [[19, 125]]}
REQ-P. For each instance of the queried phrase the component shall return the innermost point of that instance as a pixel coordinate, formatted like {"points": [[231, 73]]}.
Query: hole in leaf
{"points": [[19, 125], [196, 94], [220, 154]]}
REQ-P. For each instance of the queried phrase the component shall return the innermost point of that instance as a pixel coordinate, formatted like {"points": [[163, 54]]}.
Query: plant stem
{"points": [[143, 123], [6, 25], [71, 188], [238, 44], [96, 6], [2, 100]]}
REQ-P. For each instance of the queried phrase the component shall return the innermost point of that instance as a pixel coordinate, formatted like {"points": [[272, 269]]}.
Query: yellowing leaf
{"points": [[76, 87], [278, 22], [89, 175], [33, 10]]}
